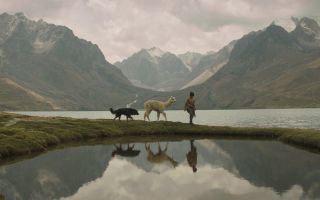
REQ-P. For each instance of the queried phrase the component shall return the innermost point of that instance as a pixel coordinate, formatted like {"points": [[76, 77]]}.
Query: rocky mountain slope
{"points": [[45, 67], [271, 68], [154, 69], [208, 65], [164, 71]]}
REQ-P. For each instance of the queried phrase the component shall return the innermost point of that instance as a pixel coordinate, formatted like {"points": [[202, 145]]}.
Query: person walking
{"points": [[190, 107]]}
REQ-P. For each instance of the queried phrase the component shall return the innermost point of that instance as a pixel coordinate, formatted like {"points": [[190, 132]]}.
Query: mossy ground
{"points": [[22, 135]]}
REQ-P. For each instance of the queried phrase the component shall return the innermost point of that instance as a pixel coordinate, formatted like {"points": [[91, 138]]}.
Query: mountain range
{"points": [[154, 69], [46, 67], [164, 71], [271, 68]]}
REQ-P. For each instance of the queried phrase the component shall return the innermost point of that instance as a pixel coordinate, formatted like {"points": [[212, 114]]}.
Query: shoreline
{"points": [[22, 135]]}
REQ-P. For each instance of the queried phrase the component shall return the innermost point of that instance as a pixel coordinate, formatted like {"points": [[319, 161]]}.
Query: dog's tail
{"points": [[112, 111]]}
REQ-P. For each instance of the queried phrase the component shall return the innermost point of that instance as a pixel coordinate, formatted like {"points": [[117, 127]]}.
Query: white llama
{"points": [[157, 106]]}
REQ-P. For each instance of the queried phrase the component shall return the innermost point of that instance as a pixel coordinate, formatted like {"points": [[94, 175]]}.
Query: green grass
{"points": [[36, 134]]}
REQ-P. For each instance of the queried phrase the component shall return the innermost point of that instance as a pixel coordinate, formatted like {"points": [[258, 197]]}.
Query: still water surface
{"points": [[226, 169], [286, 118]]}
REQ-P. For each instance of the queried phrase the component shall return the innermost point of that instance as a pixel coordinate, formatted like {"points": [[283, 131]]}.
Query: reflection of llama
{"points": [[129, 152], [158, 106], [160, 156]]}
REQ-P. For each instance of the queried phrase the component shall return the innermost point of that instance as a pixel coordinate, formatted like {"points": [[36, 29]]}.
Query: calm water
{"points": [[292, 118], [225, 170]]}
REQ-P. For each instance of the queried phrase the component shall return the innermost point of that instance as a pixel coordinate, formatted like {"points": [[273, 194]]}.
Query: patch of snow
{"points": [[188, 66], [307, 29], [8, 29], [133, 102], [155, 52], [42, 46], [205, 75], [199, 79]]}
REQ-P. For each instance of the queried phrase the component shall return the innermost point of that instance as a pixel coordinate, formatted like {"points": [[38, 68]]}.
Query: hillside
{"points": [[45, 67], [271, 68]]}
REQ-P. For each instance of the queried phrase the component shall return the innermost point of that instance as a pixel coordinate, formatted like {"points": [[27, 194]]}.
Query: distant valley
{"points": [[164, 71]]}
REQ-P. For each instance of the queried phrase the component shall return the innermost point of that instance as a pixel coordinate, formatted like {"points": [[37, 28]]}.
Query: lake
{"points": [[226, 169], [286, 118], [200, 169]]}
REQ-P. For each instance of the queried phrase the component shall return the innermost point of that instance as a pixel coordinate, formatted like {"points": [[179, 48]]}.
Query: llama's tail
{"points": [[112, 111]]}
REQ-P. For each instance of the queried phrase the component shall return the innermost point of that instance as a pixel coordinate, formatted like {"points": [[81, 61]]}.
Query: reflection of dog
{"points": [[158, 106], [124, 111]]}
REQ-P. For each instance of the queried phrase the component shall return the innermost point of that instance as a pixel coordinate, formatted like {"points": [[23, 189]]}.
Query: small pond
{"points": [[186, 169]]}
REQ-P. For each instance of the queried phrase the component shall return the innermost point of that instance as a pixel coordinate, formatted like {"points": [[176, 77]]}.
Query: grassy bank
{"points": [[21, 135]]}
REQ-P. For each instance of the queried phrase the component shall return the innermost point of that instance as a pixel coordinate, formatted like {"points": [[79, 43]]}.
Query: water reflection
{"points": [[160, 156], [129, 152], [225, 170], [192, 156]]}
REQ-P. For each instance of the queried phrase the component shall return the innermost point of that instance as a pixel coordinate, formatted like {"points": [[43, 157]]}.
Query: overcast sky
{"points": [[122, 27]]}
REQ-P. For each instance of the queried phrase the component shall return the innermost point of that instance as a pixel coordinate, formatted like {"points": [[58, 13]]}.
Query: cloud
{"points": [[122, 27], [123, 180]]}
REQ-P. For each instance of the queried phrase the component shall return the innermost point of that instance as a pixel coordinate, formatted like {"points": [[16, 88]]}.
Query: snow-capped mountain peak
{"points": [[155, 52], [308, 26], [307, 29], [307, 32]]}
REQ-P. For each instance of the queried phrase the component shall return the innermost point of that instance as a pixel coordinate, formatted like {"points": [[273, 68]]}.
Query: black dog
{"points": [[124, 111]]}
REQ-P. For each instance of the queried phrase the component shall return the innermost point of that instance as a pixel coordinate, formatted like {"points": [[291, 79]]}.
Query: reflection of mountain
{"points": [[265, 164], [55, 174], [273, 164]]}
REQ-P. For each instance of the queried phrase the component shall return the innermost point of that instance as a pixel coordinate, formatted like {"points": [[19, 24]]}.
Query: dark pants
{"points": [[192, 114]]}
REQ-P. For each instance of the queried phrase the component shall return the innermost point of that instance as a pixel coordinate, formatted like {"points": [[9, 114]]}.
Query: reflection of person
{"points": [[190, 107], [192, 157]]}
